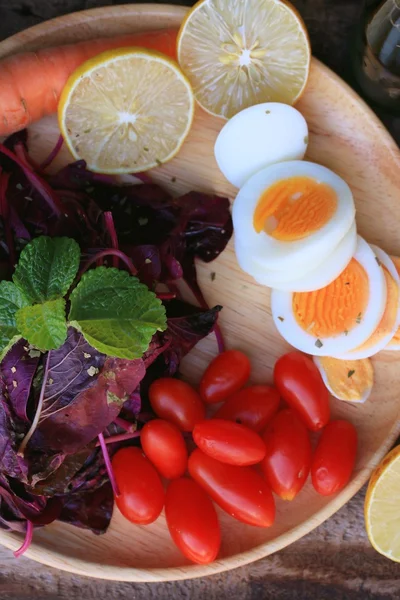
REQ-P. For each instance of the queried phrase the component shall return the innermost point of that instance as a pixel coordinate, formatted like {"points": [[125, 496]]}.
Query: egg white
{"points": [[258, 136], [312, 250], [285, 321], [379, 345], [292, 280]]}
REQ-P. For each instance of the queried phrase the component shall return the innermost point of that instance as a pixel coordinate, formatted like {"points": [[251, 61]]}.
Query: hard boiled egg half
{"points": [[289, 219], [339, 317], [258, 136], [349, 380]]}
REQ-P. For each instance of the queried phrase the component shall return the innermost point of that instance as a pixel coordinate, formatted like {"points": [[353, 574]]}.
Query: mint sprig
{"points": [[116, 313], [46, 268], [43, 325]]}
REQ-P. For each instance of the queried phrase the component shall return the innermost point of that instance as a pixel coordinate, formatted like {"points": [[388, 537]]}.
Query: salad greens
{"points": [[90, 316]]}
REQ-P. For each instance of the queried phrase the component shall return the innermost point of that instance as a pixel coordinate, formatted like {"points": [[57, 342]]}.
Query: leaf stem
{"points": [[27, 541], [109, 222], [39, 407], [166, 295], [108, 464], [24, 157], [47, 161], [121, 437], [124, 424], [109, 252], [219, 337]]}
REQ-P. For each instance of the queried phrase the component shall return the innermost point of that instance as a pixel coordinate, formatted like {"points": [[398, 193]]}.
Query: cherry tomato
{"points": [[225, 375], [142, 493], [164, 446], [334, 457], [240, 491], [301, 386], [288, 459], [176, 401], [192, 521], [253, 406], [229, 442]]}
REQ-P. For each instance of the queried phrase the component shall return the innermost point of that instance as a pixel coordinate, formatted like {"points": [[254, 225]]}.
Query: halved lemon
{"points": [[126, 110], [237, 53], [382, 515]]}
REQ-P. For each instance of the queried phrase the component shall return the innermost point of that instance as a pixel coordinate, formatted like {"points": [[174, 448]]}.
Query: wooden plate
{"points": [[345, 136]]}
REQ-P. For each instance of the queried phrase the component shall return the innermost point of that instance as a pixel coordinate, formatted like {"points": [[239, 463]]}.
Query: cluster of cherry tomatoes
{"points": [[248, 429]]}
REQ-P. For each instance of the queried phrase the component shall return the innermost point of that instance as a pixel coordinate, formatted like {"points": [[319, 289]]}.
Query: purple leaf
{"points": [[17, 370], [42, 464], [11, 434], [72, 427], [184, 333], [146, 259], [74, 473], [73, 368], [92, 510], [75, 176], [132, 407], [18, 504]]}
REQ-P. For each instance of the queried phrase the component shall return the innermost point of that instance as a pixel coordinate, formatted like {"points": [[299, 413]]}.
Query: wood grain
{"points": [[285, 562]]}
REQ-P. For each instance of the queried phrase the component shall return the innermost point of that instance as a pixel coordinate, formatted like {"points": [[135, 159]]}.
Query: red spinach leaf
{"points": [[71, 428], [73, 368], [17, 370], [92, 510]]}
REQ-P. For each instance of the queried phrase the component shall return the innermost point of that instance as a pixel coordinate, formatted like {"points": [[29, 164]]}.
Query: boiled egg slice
{"points": [[292, 214], [292, 280], [258, 136], [390, 320], [394, 343], [338, 317], [349, 380]]}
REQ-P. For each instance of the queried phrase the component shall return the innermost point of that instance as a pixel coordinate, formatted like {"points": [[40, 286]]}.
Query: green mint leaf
{"points": [[11, 300], [46, 268], [116, 313], [43, 325]]}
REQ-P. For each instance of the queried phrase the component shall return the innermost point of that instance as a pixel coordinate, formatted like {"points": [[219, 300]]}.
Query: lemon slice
{"points": [[382, 515], [126, 110], [237, 53]]}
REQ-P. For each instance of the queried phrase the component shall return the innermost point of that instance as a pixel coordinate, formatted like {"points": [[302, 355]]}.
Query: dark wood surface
{"points": [[335, 561]]}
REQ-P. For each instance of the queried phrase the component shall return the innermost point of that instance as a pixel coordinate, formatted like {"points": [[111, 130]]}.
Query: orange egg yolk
{"points": [[390, 313], [336, 308], [395, 341], [348, 379], [293, 208]]}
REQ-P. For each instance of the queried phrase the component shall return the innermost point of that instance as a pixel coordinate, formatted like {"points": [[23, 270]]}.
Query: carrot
{"points": [[31, 83]]}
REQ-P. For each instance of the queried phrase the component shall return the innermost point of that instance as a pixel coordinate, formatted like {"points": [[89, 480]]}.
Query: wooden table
{"points": [[335, 561]]}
